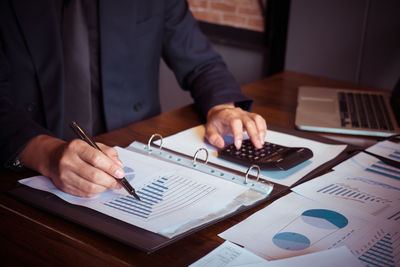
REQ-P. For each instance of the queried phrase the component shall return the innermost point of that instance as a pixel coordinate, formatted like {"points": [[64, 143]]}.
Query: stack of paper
{"points": [[357, 206]]}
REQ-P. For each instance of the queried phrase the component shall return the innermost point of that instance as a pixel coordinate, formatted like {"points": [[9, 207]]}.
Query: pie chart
{"points": [[129, 173], [324, 219], [318, 218], [291, 241]]}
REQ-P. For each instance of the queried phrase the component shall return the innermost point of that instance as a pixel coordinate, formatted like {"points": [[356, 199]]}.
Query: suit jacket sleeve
{"points": [[197, 66], [16, 128]]}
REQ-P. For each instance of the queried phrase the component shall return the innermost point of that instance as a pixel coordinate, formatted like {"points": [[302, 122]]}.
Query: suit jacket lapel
{"points": [[41, 29]]}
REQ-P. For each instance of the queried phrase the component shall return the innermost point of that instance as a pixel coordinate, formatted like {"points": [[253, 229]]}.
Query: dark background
{"points": [[356, 41]]}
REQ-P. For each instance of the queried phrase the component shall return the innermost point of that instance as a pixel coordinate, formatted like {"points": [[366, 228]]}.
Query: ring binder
{"points": [[136, 235], [151, 138], [148, 241], [197, 152], [248, 171], [260, 185]]}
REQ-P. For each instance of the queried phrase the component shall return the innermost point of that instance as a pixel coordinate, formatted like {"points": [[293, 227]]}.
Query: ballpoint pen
{"points": [[81, 134]]}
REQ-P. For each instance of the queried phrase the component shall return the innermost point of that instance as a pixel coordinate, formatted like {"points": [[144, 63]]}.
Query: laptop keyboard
{"points": [[363, 110]]}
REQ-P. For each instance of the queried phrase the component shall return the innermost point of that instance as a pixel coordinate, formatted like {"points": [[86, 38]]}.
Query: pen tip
{"points": [[136, 195]]}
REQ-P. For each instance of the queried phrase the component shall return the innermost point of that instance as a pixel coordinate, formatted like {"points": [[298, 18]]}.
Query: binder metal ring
{"points": [[197, 152], [151, 138], [248, 171]]}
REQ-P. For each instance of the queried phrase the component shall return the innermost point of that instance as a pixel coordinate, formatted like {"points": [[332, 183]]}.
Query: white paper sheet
{"points": [[188, 141], [229, 255], [387, 149], [354, 192], [334, 257], [174, 198], [294, 225], [380, 248], [369, 167]]}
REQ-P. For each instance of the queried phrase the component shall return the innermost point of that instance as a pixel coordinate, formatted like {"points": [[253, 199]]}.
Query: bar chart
{"points": [[395, 155], [161, 196], [394, 217], [362, 191], [385, 170], [383, 252], [342, 190]]}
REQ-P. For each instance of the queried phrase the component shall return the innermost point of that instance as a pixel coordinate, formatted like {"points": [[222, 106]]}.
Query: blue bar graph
{"points": [[150, 196], [345, 191], [385, 170], [395, 217], [160, 196], [384, 252], [395, 155]]}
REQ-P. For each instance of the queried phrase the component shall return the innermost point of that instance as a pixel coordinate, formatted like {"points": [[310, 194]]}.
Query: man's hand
{"points": [[75, 167], [227, 119]]}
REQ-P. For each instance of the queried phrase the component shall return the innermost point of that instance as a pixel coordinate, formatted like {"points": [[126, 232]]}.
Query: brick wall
{"points": [[245, 14]]}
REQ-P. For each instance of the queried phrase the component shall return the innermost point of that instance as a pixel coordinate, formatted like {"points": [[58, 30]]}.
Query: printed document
{"points": [[174, 198], [294, 225], [229, 255], [359, 192]]}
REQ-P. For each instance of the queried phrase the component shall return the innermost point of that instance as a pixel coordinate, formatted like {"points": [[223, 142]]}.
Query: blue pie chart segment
{"points": [[291, 241], [129, 173], [324, 219]]}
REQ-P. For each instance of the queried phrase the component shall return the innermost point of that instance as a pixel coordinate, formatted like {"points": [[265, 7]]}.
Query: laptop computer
{"points": [[347, 111]]}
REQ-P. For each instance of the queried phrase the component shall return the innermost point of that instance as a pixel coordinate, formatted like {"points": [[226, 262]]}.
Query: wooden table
{"points": [[31, 236]]}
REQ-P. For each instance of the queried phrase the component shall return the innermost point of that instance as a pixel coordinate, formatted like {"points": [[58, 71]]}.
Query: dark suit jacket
{"points": [[134, 35]]}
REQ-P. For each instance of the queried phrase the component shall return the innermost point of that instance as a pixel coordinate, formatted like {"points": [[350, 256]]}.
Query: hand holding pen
{"points": [[122, 180]]}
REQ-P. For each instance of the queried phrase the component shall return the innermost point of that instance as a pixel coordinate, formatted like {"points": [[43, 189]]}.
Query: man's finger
{"points": [[261, 126], [237, 131], [99, 160], [214, 137], [252, 131], [74, 184], [98, 177], [111, 153]]}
